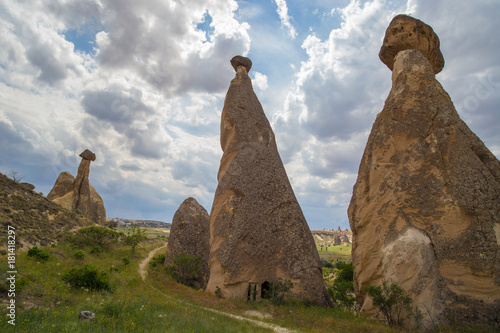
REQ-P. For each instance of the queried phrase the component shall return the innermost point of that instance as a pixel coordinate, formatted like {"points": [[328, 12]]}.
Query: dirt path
{"points": [[142, 266], [143, 273]]}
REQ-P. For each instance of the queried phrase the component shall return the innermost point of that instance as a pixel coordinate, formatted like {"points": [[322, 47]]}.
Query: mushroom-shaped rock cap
{"points": [[406, 33], [241, 61], [88, 155]]}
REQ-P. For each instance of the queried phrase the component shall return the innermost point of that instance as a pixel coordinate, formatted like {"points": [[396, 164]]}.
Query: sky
{"points": [[142, 85]]}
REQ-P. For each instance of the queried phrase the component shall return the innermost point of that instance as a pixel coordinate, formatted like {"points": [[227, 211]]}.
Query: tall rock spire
{"points": [[78, 193], [258, 233], [425, 210]]}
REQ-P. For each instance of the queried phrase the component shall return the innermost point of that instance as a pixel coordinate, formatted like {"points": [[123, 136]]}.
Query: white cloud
{"points": [[147, 100], [260, 81], [285, 18]]}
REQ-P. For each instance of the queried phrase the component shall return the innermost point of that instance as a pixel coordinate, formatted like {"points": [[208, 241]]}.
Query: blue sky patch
{"points": [[205, 26]]}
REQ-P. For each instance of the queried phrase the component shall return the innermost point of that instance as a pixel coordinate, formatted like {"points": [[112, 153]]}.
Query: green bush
{"points": [[275, 291], [157, 260], [79, 254], [342, 289], [38, 254], [390, 299], [185, 269], [87, 276], [134, 236], [114, 309], [126, 261], [96, 249], [94, 236]]}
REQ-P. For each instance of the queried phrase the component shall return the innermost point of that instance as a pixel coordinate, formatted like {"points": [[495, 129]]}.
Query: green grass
{"points": [[340, 252], [47, 304], [50, 305], [150, 232]]}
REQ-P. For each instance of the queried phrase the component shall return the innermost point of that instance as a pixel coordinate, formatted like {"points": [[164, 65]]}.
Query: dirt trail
{"points": [[143, 273], [142, 266]]}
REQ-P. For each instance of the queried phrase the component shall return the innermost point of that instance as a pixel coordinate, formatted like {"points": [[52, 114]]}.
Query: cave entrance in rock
{"points": [[265, 289], [252, 292]]}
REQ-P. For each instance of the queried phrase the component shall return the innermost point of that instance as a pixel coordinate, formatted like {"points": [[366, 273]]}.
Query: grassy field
{"points": [[333, 253], [150, 232], [45, 303]]}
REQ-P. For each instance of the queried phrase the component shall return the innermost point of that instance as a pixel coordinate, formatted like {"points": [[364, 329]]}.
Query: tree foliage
{"points": [[391, 300]]}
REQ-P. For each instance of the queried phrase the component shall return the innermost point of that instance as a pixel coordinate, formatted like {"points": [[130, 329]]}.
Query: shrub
{"points": [[111, 224], [185, 269], [327, 264], [87, 276], [390, 299], [96, 249], [38, 253], [275, 291], [114, 309], [218, 292], [157, 260], [79, 254], [134, 236], [342, 289], [94, 236], [126, 261]]}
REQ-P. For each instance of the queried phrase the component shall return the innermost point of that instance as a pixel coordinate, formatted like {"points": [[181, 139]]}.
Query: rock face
{"points": [[407, 33], [190, 233], [425, 210], [78, 193], [258, 233], [329, 237]]}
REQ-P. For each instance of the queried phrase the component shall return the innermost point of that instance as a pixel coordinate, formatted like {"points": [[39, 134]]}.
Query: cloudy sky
{"points": [[142, 84]]}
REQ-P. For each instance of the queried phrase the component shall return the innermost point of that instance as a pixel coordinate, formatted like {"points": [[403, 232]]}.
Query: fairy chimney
{"points": [[258, 233], [425, 210]]}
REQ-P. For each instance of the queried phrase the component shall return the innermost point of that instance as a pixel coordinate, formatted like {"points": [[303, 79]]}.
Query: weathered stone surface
{"points": [[190, 233], [78, 193], [329, 237], [407, 33], [241, 61], [86, 315], [88, 155], [258, 233], [425, 210], [63, 185]]}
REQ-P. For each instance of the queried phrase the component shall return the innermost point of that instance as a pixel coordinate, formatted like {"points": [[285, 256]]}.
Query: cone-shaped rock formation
{"points": [[190, 233], [258, 233], [78, 193], [425, 211]]}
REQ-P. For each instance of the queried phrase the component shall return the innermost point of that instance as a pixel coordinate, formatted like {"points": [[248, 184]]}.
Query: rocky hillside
{"points": [[36, 219], [125, 223], [330, 237]]}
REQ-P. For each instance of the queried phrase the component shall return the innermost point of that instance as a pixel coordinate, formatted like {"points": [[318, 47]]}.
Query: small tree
{"points": [[185, 269], [342, 289], [390, 299], [134, 236], [276, 291], [14, 175]]}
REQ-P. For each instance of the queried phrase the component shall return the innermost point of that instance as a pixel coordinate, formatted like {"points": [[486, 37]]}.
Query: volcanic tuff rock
{"points": [[258, 233], [407, 33], [190, 233], [425, 210], [78, 193], [329, 237]]}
